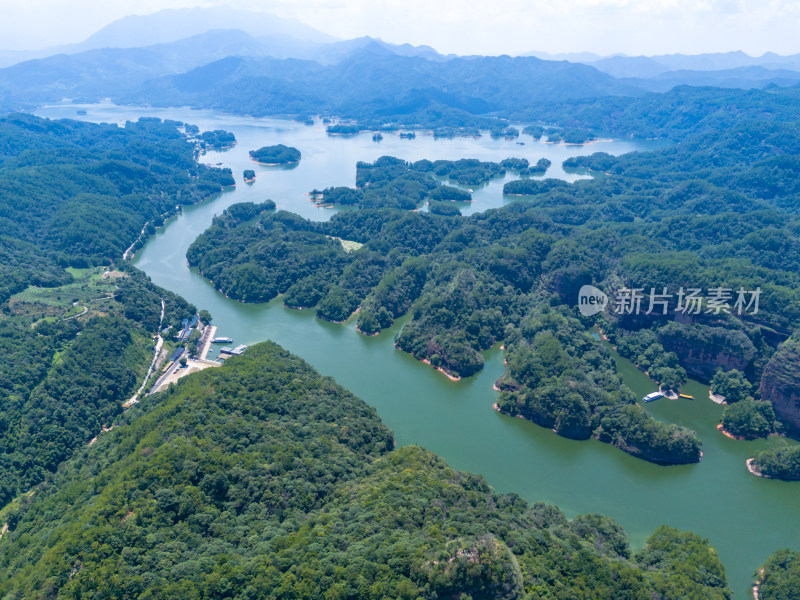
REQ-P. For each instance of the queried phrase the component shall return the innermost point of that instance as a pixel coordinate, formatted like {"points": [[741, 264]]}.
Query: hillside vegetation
{"points": [[77, 341], [262, 479]]}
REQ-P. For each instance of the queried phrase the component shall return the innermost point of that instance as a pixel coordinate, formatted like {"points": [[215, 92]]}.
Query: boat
{"points": [[687, 396], [221, 340], [652, 396]]}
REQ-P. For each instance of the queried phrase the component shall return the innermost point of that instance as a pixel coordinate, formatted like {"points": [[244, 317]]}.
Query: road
{"points": [[159, 345]]}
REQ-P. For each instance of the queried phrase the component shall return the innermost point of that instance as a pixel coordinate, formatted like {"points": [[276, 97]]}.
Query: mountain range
{"points": [[255, 63]]}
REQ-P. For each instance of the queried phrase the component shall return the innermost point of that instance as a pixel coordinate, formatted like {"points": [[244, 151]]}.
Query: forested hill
{"points": [[375, 83], [77, 341], [675, 114], [81, 193], [68, 367], [263, 479]]}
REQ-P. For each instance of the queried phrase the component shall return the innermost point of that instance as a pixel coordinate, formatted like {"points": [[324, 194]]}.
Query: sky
{"points": [[464, 26]]}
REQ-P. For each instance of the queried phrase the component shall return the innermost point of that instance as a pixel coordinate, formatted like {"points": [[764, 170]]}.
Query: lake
{"points": [[745, 518]]}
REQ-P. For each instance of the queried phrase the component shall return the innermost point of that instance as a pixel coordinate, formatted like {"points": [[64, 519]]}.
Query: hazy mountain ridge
{"points": [[740, 77], [255, 63], [372, 79], [172, 25], [376, 83], [661, 73], [620, 65]]}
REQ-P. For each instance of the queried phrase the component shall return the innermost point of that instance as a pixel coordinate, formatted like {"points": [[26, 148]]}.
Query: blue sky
{"points": [[465, 26]]}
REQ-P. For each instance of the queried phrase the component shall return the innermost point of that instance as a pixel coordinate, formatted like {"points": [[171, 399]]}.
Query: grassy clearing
{"points": [[92, 289], [349, 245]]}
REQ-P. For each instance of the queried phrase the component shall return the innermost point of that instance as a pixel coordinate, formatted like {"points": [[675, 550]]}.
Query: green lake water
{"points": [[746, 518]]}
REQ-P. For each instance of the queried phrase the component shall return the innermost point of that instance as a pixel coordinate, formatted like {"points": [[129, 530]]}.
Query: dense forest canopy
{"points": [[563, 379], [712, 218], [65, 377], [779, 579], [79, 194], [463, 299], [218, 139], [264, 480], [780, 463], [276, 155], [77, 342], [294, 482]]}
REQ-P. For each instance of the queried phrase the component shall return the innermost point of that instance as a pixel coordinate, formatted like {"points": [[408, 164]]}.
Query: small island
{"points": [[249, 175], [343, 129], [276, 155], [535, 131], [779, 463], [219, 139], [504, 132]]}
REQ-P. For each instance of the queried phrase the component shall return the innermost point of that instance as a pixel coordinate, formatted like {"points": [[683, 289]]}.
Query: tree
{"points": [[749, 418], [191, 344], [731, 384]]}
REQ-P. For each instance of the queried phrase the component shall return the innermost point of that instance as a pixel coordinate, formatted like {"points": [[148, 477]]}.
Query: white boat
{"points": [[652, 396], [221, 340]]}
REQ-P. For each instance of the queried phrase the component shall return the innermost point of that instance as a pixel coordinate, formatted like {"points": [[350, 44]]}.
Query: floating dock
{"points": [[238, 351]]}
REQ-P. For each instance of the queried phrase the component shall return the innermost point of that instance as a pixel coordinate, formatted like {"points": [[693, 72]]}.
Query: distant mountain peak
{"points": [[171, 25]]}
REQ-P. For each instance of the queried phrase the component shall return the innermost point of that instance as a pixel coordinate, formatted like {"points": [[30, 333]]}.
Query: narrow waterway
{"points": [[745, 518]]}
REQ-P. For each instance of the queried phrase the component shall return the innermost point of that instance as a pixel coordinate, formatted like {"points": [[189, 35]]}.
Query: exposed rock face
{"points": [[702, 349], [780, 382]]}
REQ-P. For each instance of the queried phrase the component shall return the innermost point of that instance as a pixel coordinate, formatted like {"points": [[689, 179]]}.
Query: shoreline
{"points": [[728, 434], [588, 142], [757, 584], [440, 369], [280, 164], [502, 412], [358, 329], [754, 470], [292, 307]]}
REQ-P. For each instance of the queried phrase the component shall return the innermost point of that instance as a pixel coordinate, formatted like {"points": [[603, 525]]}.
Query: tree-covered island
{"points": [[276, 155]]}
